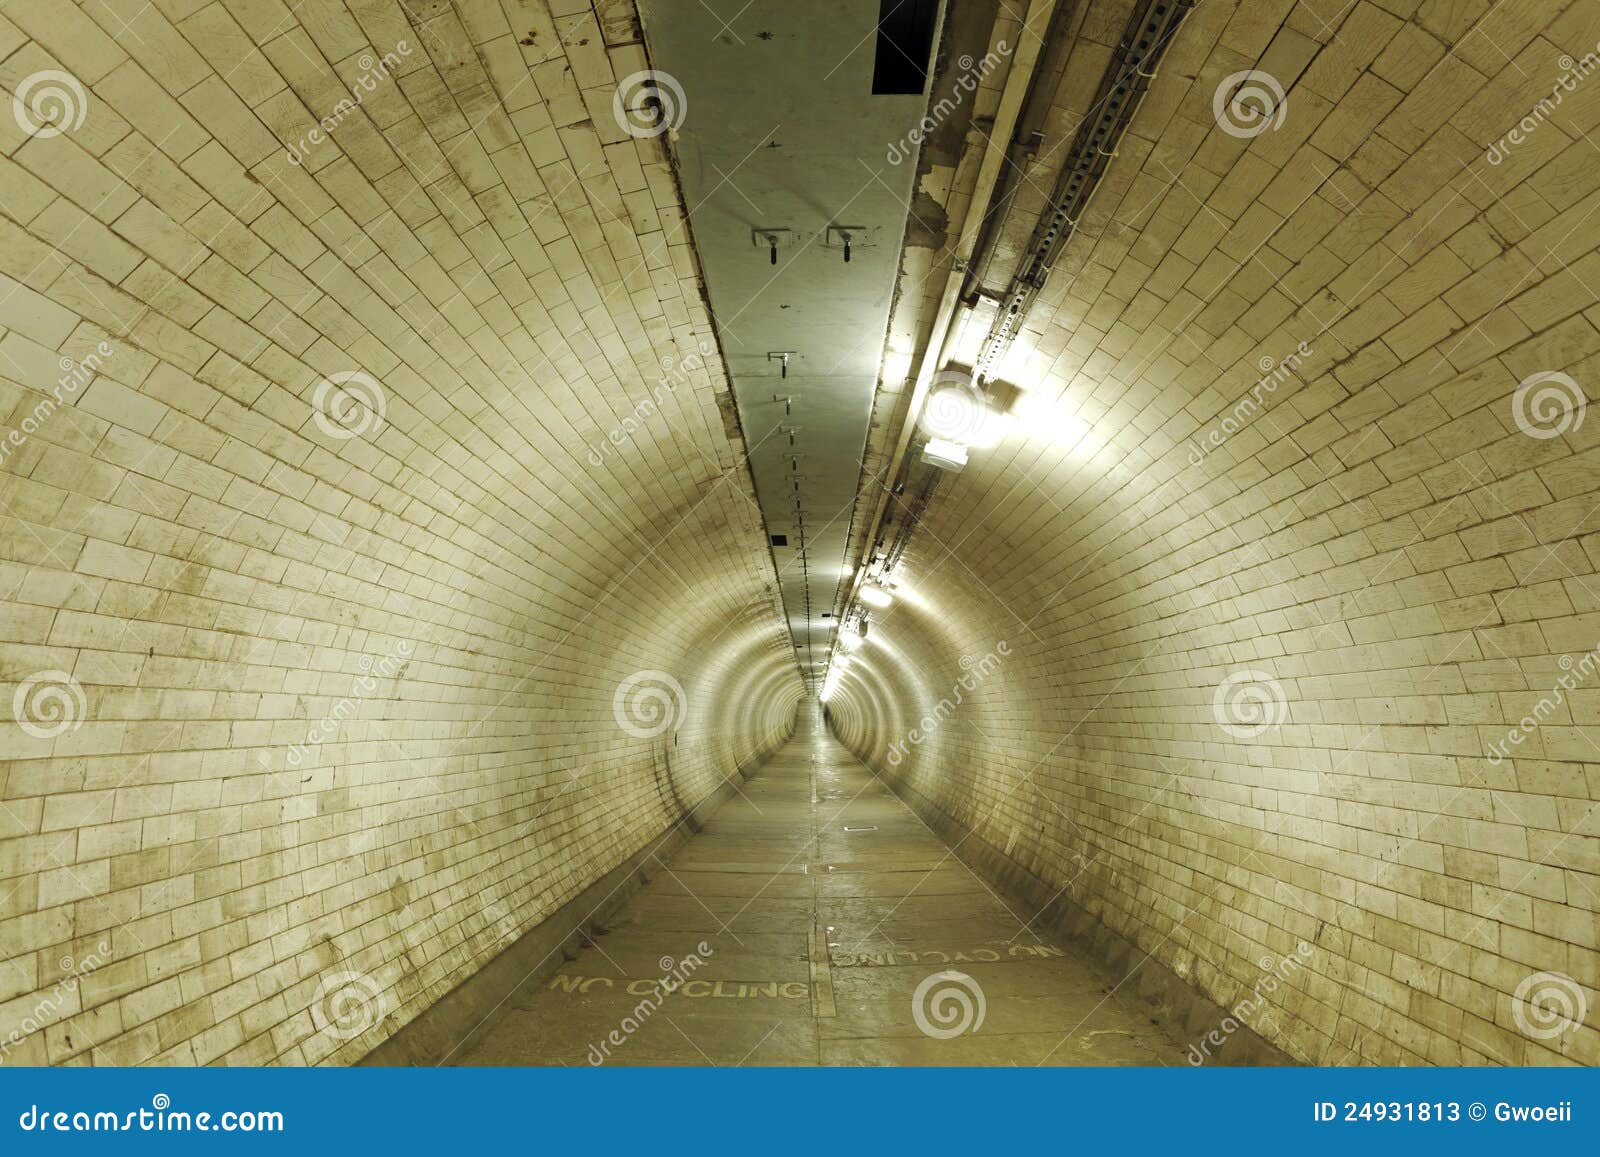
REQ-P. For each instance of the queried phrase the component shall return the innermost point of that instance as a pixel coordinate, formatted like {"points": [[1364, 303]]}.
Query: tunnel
{"points": [[942, 533]]}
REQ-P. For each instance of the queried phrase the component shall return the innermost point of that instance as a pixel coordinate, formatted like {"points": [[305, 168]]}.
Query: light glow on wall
{"points": [[1039, 415]]}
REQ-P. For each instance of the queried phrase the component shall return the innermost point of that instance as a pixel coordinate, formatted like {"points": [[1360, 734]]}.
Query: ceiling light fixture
{"points": [[944, 454], [875, 595], [962, 414]]}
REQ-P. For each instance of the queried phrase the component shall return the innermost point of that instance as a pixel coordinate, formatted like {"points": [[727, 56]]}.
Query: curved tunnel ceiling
{"points": [[388, 502], [798, 223]]}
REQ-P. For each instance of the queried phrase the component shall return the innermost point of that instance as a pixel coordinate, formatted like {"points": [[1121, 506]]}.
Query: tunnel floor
{"points": [[823, 903]]}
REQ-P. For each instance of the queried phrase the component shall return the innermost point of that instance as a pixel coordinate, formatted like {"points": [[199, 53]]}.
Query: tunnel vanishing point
{"points": [[932, 532]]}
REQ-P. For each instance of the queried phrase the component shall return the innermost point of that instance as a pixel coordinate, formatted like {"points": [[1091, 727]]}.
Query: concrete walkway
{"points": [[816, 920]]}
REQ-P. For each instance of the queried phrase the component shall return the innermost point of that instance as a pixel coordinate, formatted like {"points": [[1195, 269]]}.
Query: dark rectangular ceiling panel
{"points": [[905, 37]]}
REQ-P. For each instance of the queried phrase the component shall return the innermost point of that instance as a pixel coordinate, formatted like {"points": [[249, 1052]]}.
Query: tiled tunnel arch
{"points": [[382, 515]]}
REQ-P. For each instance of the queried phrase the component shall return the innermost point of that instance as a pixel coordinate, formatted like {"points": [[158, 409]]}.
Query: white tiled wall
{"points": [[202, 572], [1380, 551]]}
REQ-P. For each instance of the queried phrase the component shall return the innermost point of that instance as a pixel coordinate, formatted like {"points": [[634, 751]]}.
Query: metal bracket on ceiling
{"points": [[772, 238], [782, 358], [849, 238], [1145, 38]]}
